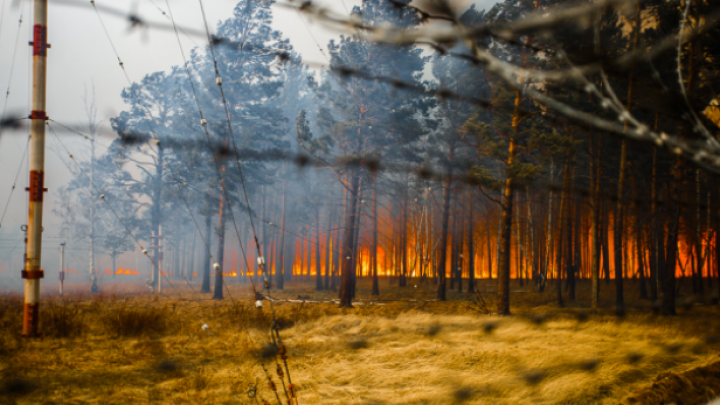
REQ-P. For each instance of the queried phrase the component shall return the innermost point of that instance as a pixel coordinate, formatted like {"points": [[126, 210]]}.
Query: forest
{"points": [[419, 164], [534, 168]]}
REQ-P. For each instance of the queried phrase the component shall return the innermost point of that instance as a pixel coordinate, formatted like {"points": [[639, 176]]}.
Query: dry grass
{"points": [[138, 349]]}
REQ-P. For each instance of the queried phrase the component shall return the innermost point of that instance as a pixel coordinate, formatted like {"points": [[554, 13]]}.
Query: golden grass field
{"points": [[118, 348]]}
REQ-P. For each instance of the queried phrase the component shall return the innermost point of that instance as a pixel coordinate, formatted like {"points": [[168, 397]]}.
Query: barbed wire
{"points": [[707, 155]]}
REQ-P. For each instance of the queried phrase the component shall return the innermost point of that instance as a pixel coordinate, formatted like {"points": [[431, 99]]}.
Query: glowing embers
{"points": [[123, 272], [229, 274]]}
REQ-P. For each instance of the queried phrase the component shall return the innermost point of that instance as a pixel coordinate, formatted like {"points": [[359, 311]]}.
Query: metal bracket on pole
{"points": [[33, 275], [39, 42]]}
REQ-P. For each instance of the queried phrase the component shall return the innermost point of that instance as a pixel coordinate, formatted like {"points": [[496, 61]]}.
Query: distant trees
{"points": [[521, 153]]}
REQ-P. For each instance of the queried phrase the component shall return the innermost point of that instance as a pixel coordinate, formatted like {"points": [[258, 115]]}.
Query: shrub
{"points": [[127, 321], [10, 325], [62, 320]]}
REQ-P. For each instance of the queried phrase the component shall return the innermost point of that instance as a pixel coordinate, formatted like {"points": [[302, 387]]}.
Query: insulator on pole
{"points": [[218, 81]]}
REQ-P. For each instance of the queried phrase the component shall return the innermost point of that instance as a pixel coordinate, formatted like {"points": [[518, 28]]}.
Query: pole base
{"points": [[31, 319]]}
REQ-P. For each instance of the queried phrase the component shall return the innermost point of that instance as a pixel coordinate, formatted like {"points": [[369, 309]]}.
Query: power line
{"points": [[102, 197], [219, 82], [150, 126], [12, 67], [312, 35], [17, 175], [207, 135], [276, 335]]}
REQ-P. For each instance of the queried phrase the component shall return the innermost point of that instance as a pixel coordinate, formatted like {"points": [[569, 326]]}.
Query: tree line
{"points": [[404, 160]]}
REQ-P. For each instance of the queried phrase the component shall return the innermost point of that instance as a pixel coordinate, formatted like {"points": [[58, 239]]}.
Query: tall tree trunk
{"points": [[639, 249], [563, 218], [218, 292], [191, 263], [471, 245], [404, 240], [318, 264], [668, 301], [92, 270], [503, 306], [619, 229], [302, 254], [531, 236], [337, 256], [308, 271], [328, 247], [453, 244], [489, 248], [265, 235], [182, 273], [460, 246], [356, 238], [618, 235], [549, 243], [176, 266], [347, 288], [442, 259], [375, 284], [205, 287], [698, 235], [716, 223], [570, 262], [577, 249], [654, 264], [605, 239], [280, 266], [594, 217]]}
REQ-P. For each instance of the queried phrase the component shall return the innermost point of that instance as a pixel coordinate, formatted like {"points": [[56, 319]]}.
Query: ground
{"points": [[398, 348]]}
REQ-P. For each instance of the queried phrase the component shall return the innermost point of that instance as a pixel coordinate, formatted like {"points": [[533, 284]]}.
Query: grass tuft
{"points": [[127, 321], [62, 320]]}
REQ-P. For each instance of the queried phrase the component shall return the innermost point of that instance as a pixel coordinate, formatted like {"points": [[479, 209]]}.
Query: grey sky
{"points": [[81, 56]]}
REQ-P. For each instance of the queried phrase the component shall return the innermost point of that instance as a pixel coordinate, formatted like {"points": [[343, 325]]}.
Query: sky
{"points": [[82, 59]]}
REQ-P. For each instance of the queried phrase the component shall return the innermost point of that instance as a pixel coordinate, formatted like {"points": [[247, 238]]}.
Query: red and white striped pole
{"points": [[33, 272]]}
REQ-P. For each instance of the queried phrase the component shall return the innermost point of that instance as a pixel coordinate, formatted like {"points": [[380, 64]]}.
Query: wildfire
{"points": [[122, 271], [230, 274]]}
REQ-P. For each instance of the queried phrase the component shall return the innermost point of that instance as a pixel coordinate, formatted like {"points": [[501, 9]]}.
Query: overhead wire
{"points": [[219, 82], [278, 343], [85, 136], [14, 186], [204, 124], [313, 35], [12, 68], [104, 199], [151, 127], [2, 16]]}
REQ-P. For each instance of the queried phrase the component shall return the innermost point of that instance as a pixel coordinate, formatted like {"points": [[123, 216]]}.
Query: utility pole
{"points": [[62, 267], [33, 273]]}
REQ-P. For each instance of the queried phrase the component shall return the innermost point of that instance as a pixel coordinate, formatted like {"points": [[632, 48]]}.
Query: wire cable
{"points": [[12, 69], [152, 130], [17, 176], [218, 80], [215, 158], [103, 198]]}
